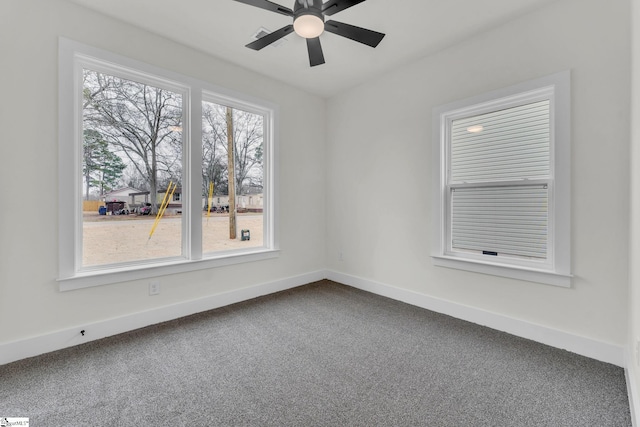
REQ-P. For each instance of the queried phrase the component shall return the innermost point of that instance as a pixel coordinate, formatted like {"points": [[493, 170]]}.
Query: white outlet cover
{"points": [[154, 288]]}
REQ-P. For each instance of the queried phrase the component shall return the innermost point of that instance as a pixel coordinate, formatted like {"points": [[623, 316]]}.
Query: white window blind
{"points": [[495, 221], [507, 144]]}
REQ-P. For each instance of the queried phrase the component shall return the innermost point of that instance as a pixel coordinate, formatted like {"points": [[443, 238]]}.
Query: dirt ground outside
{"points": [[110, 239]]}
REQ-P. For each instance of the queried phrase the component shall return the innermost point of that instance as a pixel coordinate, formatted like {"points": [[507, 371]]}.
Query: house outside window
{"points": [[129, 127], [501, 182]]}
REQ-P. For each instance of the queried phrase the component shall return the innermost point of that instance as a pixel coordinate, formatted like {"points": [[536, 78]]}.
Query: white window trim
{"points": [[557, 271], [70, 275]]}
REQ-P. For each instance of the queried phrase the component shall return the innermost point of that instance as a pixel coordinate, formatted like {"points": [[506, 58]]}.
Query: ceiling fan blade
{"points": [[316, 57], [335, 6], [267, 5], [270, 38], [361, 35]]}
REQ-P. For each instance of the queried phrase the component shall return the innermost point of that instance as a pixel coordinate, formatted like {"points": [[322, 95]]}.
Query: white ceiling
{"points": [[413, 28]]}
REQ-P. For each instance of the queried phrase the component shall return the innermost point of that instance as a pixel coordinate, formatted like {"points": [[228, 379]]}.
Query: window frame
{"points": [[556, 269], [72, 56]]}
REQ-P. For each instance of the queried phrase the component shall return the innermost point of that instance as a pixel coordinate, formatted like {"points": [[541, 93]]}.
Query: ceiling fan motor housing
{"points": [[307, 7]]}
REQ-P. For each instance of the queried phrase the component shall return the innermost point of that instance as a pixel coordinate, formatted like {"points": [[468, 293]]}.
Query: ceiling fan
{"points": [[308, 22]]}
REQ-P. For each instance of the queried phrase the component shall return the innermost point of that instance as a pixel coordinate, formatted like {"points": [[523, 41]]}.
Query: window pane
{"points": [[233, 178], [507, 144], [500, 221], [132, 171]]}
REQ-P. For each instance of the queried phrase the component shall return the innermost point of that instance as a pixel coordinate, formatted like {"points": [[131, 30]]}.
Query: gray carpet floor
{"points": [[320, 355]]}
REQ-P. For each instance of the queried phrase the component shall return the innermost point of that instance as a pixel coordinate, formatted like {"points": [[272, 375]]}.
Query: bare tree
{"points": [[214, 159], [247, 134], [141, 122]]}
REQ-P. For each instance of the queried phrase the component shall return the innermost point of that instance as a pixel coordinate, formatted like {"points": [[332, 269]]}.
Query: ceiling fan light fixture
{"points": [[308, 26]]}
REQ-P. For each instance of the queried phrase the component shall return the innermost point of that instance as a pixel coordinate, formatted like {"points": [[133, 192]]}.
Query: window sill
{"points": [[511, 271], [87, 279]]}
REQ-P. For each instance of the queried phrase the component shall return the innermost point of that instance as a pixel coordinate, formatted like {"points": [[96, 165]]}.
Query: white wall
{"points": [[30, 303], [633, 360], [379, 143]]}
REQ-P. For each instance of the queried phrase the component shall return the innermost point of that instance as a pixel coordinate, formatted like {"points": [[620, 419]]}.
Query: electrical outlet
{"points": [[154, 287]]}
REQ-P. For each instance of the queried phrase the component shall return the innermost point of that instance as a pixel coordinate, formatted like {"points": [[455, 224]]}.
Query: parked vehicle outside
{"points": [[145, 210]]}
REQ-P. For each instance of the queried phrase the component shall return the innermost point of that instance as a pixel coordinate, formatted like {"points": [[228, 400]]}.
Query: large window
{"points": [[502, 184], [159, 173]]}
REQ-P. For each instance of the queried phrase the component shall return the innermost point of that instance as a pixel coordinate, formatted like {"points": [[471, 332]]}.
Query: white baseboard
{"points": [[631, 372], [588, 347], [12, 351]]}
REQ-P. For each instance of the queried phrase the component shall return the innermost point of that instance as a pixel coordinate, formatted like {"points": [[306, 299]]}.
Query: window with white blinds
{"points": [[501, 182], [490, 217]]}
